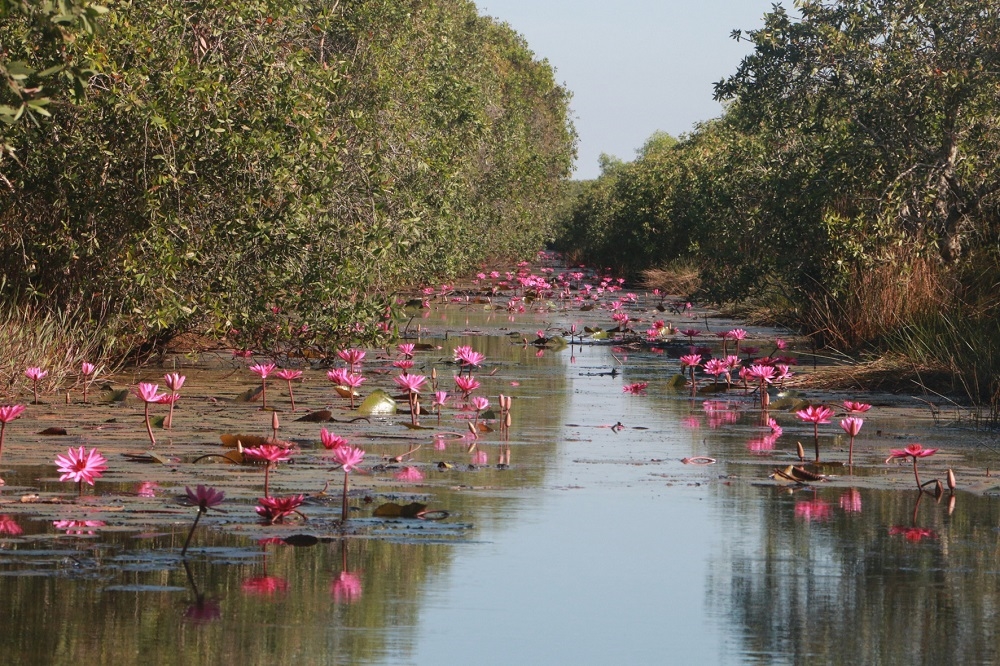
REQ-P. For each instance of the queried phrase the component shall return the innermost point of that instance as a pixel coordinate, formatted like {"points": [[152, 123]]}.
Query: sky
{"points": [[634, 66]]}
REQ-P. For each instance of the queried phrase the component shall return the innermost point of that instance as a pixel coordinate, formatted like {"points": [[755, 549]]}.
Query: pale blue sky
{"points": [[634, 66]]}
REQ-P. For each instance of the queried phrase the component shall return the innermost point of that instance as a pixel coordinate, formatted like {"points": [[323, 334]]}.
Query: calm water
{"points": [[596, 546]]}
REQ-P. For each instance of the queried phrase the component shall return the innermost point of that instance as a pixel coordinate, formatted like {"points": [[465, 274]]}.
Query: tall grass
{"points": [[56, 341]]}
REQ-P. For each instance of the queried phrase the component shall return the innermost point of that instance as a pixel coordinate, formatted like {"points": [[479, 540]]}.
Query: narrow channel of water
{"points": [[596, 545]]}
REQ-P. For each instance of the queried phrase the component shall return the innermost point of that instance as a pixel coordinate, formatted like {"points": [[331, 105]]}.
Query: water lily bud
{"points": [[951, 480], [801, 451], [274, 421]]}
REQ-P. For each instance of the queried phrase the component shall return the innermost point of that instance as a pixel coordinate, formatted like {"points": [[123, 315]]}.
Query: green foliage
{"points": [[266, 165]]}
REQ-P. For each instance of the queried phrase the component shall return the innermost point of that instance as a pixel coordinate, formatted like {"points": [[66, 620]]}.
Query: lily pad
{"points": [[393, 510], [677, 381], [250, 395], [377, 403], [320, 416]]}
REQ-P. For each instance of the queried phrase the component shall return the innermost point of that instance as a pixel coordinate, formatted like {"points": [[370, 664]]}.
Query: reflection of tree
{"points": [[849, 590]]}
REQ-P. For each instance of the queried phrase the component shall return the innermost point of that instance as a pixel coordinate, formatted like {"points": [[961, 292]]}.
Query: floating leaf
{"points": [[556, 343], [796, 474], [444, 465], [247, 440], [234, 456], [599, 335], [320, 416], [250, 395], [158, 421], [413, 426], [147, 457], [488, 414], [345, 392], [377, 403], [721, 387], [393, 510], [53, 431]]}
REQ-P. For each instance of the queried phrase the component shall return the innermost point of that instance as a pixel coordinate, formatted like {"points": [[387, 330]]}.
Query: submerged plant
{"points": [[349, 457], [914, 451], [81, 466], [205, 498]]}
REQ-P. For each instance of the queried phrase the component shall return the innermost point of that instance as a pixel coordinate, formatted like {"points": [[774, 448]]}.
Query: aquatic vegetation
{"points": [[815, 414], [636, 388], [149, 394], [269, 455], [7, 414], [440, 399], [205, 498], [88, 371], [81, 466], [852, 426], [409, 473], [466, 384], [914, 451], [35, 375], [289, 376], [331, 441], [275, 509], [263, 370], [349, 457], [352, 357]]}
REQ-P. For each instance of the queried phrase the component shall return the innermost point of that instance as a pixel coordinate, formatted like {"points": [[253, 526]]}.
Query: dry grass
{"points": [[54, 341], [893, 373], [680, 279]]}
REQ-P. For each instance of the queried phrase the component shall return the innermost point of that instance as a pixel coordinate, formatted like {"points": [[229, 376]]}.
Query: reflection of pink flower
{"points": [[762, 444], [479, 457], [851, 501], [814, 509], [77, 526], [691, 422], [409, 474], [202, 611], [913, 534], [80, 465], [147, 489], [9, 526], [347, 587], [265, 585]]}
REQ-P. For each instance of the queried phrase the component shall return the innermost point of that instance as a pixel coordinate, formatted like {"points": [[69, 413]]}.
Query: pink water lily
{"points": [[81, 466], [856, 407], [148, 393], [352, 357], [406, 349], [410, 383], [7, 414], [274, 509], [349, 457], [205, 498], [289, 376], [915, 451], [330, 441], [852, 426], [815, 414], [87, 370], [466, 384], [268, 454], [35, 375], [263, 370]]}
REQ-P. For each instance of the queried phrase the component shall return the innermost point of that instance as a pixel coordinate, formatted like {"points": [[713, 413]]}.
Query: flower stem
{"points": [[187, 541], [3, 426], [34, 386], [850, 453], [263, 393], [170, 417], [343, 505], [291, 396], [916, 475], [816, 439], [267, 478], [149, 428]]}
